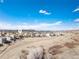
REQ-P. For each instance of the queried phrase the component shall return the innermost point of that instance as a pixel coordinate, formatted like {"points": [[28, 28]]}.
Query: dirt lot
{"points": [[68, 41]]}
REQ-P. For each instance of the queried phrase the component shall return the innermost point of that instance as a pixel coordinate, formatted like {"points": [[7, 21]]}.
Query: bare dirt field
{"points": [[69, 49]]}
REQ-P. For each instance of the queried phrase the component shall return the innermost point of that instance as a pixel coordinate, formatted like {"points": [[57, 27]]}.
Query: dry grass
{"points": [[76, 40], [55, 49], [24, 52], [69, 45]]}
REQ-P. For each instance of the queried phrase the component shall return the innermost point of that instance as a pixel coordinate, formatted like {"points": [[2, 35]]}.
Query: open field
{"points": [[69, 49]]}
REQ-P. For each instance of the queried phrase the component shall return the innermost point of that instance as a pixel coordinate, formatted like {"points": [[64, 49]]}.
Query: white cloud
{"points": [[76, 20], [44, 12], [76, 10], [4, 25], [40, 26], [59, 25]]}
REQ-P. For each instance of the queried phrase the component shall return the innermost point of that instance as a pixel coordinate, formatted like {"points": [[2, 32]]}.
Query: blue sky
{"points": [[39, 14]]}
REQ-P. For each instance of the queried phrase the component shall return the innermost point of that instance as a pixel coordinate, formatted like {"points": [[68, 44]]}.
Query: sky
{"points": [[39, 14]]}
